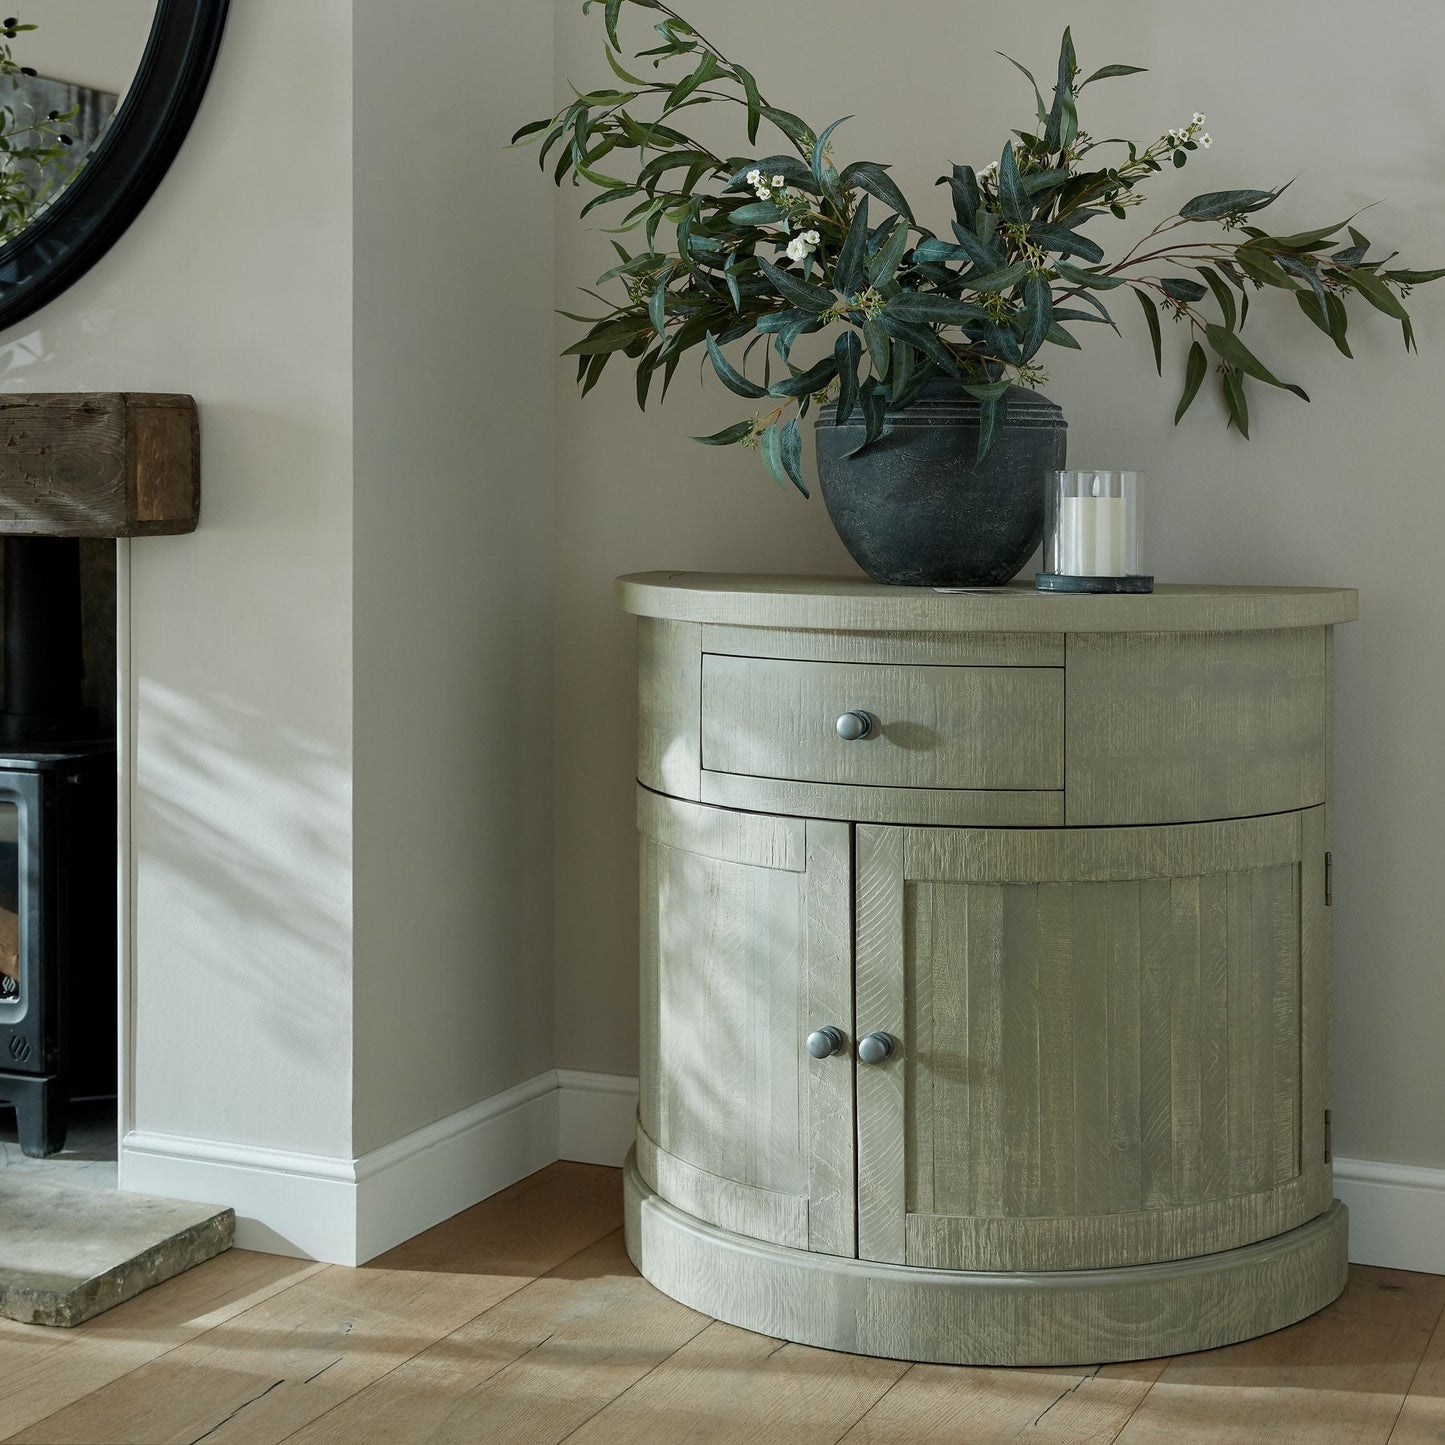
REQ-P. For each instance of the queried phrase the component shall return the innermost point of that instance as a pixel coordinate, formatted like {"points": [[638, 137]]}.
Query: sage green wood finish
{"points": [[669, 688], [1057, 1317], [936, 649], [1079, 880], [1104, 1054], [1166, 728], [935, 727], [745, 950], [968, 807], [852, 604]]}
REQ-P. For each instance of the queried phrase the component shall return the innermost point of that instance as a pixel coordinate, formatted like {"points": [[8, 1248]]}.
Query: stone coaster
{"points": [[67, 1252]]}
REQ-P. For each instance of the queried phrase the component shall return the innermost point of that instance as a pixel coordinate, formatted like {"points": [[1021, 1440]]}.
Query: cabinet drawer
{"points": [[934, 727]]}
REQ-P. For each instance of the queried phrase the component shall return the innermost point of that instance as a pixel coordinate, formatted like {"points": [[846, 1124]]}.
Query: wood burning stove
{"points": [[57, 854]]}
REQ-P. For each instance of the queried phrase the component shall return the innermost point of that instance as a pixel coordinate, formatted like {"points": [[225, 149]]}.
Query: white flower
{"points": [[812, 237], [778, 183], [754, 176], [989, 169], [1206, 140], [764, 194], [1198, 117], [798, 249]]}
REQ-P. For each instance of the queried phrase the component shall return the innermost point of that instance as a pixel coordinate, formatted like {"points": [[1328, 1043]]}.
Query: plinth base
{"points": [[1061, 1317]]}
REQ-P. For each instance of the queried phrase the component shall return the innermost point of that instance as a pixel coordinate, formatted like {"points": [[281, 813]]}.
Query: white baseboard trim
{"points": [[596, 1116], [1397, 1213], [346, 1211]]}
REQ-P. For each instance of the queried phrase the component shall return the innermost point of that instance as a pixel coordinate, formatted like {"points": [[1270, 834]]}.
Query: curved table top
{"points": [[854, 604]]}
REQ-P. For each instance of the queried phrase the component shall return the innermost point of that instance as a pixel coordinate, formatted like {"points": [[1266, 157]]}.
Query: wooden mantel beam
{"points": [[98, 464]]}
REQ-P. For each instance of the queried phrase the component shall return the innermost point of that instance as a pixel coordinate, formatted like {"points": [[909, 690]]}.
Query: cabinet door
{"points": [[1112, 1043], [746, 949]]}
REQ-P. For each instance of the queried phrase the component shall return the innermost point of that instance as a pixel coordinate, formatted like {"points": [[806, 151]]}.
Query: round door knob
{"points": [[854, 725], [874, 1048], [823, 1043]]}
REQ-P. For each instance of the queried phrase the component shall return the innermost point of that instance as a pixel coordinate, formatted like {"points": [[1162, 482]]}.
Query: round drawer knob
{"points": [[874, 1048], [825, 1042], [855, 725]]}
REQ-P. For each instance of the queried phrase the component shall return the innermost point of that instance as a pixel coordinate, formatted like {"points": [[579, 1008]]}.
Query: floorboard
{"points": [[521, 1322]]}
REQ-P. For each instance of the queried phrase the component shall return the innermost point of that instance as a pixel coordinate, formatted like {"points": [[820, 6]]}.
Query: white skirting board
{"points": [[1397, 1213], [348, 1211]]}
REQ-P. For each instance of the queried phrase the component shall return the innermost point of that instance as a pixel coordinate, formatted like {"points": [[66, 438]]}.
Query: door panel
{"points": [[746, 948], [1111, 1044]]}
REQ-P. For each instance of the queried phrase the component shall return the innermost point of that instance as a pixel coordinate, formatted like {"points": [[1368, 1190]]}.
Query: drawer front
{"points": [[934, 727]]}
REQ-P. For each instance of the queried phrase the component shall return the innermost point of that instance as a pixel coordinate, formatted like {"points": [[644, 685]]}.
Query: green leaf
{"points": [[823, 171], [1215, 205], [1263, 268], [613, 336], [530, 129], [879, 347], [1107, 72], [990, 413], [1038, 94], [791, 454], [791, 126], [757, 213], [931, 309], [1222, 294], [1012, 200], [1234, 399], [732, 379], [848, 271], [1228, 347], [1065, 241], [884, 266], [871, 177], [1194, 372], [1339, 323], [988, 390], [1306, 240], [754, 100], [805, 383], [1063, 121], [875, 409], [1095, 280], [1377, 293], [728, 436], [1038, 313], [614, 9], [624, 75], [1151, 315], [770, 444], [984, 256], [846, 356], [657, 304], [1329, 317], [1180, 289], [921, 339], [801, 293], [967, 199], [1059, 337], [1415, 278], [999, 280], [707, 68]]}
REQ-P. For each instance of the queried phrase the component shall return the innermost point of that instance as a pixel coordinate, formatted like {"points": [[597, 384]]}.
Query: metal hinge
{"points": [[1329, 1142], [1329, 879]]}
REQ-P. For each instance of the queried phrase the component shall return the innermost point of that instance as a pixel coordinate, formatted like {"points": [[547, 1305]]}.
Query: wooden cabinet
{"points": [[1062, 905]]}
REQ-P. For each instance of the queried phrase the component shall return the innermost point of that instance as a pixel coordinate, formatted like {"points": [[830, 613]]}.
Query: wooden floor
{"points": [[522, 1321]]}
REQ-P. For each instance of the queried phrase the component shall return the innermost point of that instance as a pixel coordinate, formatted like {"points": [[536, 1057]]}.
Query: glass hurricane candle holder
{"points": [[1091, 533]]}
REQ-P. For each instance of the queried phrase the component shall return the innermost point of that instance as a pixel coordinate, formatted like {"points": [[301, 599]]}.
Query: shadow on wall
{"points": [[242, 845]]}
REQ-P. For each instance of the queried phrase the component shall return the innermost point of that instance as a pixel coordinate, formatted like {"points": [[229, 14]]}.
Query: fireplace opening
{"points": [[57, 833]]}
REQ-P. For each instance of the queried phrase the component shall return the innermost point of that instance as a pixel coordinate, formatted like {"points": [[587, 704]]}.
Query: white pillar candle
{"points": [[1091, 536]]}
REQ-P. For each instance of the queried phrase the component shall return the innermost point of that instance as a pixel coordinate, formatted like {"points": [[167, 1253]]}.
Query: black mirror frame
{"points": [[90, 214]]}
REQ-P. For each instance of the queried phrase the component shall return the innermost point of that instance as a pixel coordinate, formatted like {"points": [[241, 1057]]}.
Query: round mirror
{"points": [[95, 99]]}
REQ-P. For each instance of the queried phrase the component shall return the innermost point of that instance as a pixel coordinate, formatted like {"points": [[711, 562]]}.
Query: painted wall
{"points": [[235, 285], [453, 570], [1344, 491]]}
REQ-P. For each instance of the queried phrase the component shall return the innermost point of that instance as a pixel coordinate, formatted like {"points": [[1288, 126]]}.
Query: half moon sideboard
{"points": [[985, 960]]}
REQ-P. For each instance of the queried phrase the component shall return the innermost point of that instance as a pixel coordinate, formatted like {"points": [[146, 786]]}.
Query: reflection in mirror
{"points": [[65, 66]]}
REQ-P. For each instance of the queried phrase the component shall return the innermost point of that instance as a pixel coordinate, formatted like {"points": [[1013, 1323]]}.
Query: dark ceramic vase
{"points": [[913, 510]]}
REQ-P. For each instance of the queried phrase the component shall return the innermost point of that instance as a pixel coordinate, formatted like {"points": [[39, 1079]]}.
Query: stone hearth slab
{"points": [[67, 1253]]}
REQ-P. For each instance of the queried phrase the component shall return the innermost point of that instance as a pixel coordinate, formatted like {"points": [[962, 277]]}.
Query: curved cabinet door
{"points": [[746, 949], [1112, 1043]]}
